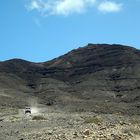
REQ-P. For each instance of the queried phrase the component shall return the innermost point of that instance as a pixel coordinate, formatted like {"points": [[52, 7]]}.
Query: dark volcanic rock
{"points": [[98, 77]]}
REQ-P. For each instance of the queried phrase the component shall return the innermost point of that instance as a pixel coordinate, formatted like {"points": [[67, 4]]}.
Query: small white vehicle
{"points": [[28, 110]]}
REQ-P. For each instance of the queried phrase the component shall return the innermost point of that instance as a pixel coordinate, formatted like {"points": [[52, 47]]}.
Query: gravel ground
{"points": [[69, 126]]}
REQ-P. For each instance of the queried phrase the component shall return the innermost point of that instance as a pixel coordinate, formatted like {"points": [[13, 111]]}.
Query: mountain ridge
{"points": [[98, 77]]}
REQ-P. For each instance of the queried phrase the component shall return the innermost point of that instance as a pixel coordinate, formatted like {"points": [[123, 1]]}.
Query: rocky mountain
{"points": [[97, 78]]}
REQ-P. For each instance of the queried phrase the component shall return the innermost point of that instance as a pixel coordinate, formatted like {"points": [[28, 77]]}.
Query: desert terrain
{"points": [[90, 93]]}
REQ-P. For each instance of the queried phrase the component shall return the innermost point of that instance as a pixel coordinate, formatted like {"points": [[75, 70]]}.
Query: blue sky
{"points": [[40, 30]]}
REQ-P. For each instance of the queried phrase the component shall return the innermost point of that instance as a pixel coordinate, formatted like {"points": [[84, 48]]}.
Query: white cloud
{"points": [[109, 6], [68, 7], [59, 7], [34, 5]]}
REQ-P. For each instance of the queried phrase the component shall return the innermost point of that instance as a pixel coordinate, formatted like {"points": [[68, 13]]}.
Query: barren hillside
{"points": [[96, 78]]}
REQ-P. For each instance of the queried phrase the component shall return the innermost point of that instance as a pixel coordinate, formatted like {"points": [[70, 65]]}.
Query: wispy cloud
{"points": [[34, 5], [59, 7], [68, 7], [109, 6]]}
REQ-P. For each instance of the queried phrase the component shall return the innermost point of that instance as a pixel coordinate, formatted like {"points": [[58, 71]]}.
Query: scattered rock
{"points": [[86, 132]]}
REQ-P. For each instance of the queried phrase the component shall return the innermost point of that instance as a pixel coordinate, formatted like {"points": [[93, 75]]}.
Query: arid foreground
{"points": [[69, 126]]}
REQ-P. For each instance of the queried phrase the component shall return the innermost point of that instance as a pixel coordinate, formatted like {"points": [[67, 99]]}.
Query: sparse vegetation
{"points": [[135, 131], [95, 120], [134, 121], [39, 117]]}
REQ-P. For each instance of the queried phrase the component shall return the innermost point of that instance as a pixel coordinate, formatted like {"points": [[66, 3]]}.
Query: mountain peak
{"points": [[97, 54]]}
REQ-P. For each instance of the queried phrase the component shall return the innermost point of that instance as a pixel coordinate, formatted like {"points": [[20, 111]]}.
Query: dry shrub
{"points": [[38, 117], [95, 120]]}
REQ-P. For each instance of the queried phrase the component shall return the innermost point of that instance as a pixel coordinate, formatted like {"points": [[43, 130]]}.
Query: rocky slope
{"points": [[96, 78]]}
